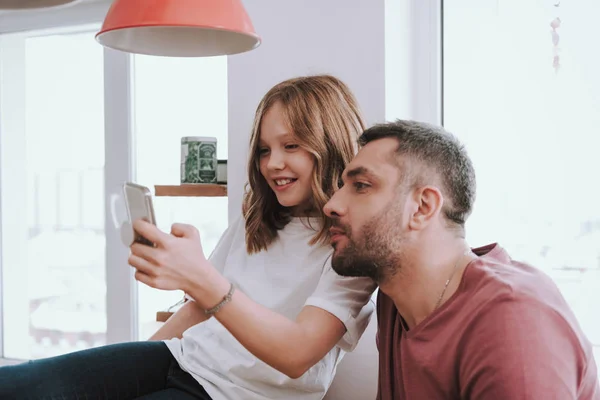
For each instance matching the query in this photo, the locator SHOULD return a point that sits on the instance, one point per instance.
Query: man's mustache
(335, 223)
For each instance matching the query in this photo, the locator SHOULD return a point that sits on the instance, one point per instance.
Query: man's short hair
(429, 149)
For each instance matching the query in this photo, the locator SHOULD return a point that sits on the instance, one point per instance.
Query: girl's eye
(291, 146)
(263, 151)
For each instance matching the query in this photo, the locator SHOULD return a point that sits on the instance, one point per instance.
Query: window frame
(572, 271)
(121, 287)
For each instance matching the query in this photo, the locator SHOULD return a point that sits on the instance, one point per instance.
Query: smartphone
(138, 200)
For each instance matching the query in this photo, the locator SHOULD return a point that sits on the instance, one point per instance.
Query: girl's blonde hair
(325, 119)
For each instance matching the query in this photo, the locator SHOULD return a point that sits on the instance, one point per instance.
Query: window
(176, 97)
(522, 90)
(52, 197)
(67, 105)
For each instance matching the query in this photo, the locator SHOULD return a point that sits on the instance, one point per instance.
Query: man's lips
(336, 233)
(334, 230)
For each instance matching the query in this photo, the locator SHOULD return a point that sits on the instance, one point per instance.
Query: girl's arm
(291, 347)
(177, 263)
(191, 314)
(187, 316)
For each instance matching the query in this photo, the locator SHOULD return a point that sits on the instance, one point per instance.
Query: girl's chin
(297, 210)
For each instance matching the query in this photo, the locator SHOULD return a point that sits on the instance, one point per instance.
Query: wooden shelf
(163, 316)
(191, 190)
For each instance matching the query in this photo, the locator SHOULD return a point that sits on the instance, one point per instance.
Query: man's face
(369, 226)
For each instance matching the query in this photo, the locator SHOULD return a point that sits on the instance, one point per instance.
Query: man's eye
(360, 186)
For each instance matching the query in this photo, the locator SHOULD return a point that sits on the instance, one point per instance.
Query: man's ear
(428, 205)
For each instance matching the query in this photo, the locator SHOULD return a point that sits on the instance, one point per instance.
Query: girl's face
(287, 167)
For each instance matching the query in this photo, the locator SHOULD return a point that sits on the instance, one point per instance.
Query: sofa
(356, 377)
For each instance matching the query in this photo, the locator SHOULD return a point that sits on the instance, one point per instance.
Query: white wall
(345, 38)
(79, 13)
(413, 60)
(340, 37)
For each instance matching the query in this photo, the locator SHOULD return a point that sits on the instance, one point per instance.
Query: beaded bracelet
(225, 300)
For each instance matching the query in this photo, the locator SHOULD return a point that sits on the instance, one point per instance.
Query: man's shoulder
(494, 275)
(497, 287)
(521, 328)
(503, 289)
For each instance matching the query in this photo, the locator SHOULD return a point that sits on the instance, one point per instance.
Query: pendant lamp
(178, 28)
(31, 4)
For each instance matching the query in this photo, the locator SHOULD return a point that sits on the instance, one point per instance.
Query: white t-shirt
(287, 277)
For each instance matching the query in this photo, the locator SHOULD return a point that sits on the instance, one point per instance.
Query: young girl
(269, 318)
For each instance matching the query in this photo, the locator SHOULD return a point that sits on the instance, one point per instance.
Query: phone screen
(139, 206)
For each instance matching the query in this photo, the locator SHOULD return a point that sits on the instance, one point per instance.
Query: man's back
(507, 333)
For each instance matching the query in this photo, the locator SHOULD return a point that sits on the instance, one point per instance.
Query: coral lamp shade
(178, 28)
(29, 4)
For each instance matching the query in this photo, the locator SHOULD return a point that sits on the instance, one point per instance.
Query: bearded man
(454, 322)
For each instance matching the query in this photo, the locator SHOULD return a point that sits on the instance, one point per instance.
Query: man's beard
(376, 253)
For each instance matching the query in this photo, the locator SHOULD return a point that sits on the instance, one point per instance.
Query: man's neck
(417, 287)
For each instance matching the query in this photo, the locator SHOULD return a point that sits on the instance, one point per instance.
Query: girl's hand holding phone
(176, 262)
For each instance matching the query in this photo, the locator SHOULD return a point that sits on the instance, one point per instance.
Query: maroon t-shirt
(507, 333)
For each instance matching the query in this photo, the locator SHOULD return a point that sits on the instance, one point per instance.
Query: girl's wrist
(208, 287)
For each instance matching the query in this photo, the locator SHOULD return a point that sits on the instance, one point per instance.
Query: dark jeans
(138, 370)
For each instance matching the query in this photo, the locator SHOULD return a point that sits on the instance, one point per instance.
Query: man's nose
(334, 207)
